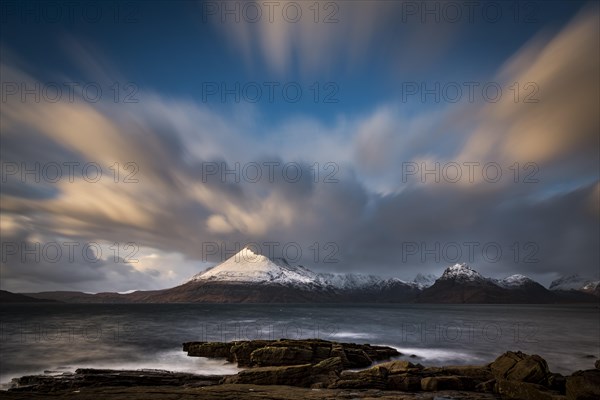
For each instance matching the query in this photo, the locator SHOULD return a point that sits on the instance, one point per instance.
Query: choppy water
(61, 337)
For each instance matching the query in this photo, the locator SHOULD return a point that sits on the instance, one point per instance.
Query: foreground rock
(521, 367)
(319, 369)
(88, 377)
(584, 385)
(307, 375)
(274, 353)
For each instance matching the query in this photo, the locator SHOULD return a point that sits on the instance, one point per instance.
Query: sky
(142, 142)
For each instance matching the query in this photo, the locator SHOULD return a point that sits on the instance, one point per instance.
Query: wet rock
(327, 371)
(391, 375)
(296, 375)
(282, 352)
(88, 377)
(518, 366)
(375, 378)
(304, 375)
(277, 356)
(357, 358)
(378, 353)
(208, 349)
(280, 367)
(241, 351)
(400, 366)
(584, 385)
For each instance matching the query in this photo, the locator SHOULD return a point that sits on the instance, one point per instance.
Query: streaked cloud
(325, 35)
(175, 208)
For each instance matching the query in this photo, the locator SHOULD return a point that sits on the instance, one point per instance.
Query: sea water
(55, 338)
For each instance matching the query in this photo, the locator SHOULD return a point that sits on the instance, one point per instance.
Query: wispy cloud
(323, 36)
(174, 207)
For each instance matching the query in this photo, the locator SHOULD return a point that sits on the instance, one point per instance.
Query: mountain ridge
(249, 277)
(246, 266)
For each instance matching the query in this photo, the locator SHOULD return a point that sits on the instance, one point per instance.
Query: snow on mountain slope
(573, 282)
(252, 268)
(514, 281)
(249, 267)
(461, 273)
(355, 281)
(424, 281)
(591, 286)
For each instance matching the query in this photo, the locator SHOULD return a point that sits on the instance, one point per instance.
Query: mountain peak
(461, 272)
(249, 255)
(248, 266)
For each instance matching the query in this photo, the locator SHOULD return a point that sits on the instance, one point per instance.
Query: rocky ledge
(283, 352)
(317, 369)
(98, 378)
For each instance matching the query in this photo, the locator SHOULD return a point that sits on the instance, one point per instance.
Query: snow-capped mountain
(461, 284)
(248, 277)
(255, 278)
(423, 281)
(573, 282)
(249, 267)
(461, 273)
(265, 280)
(514, 281)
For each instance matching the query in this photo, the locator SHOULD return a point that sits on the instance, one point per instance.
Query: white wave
(173, 360)
(439, 355)
(350, 335)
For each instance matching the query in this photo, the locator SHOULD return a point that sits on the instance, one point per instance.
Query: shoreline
(317, 369)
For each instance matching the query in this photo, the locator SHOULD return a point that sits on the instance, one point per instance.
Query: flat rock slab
(88, 377)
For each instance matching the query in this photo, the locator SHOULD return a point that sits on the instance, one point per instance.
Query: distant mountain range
(248, 277)
(8, 297)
